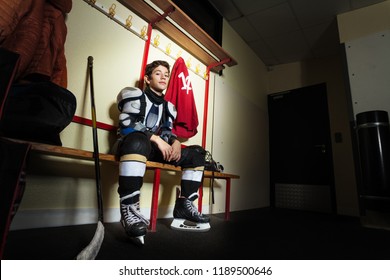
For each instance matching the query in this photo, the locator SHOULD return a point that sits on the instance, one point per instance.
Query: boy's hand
(164, 147)
(176, 151)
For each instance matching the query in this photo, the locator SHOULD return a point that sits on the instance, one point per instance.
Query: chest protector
(145, 111)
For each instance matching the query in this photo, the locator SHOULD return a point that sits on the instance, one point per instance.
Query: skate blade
(139, 240)
(185, 225)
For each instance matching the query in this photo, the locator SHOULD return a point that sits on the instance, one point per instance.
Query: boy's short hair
(151, 66)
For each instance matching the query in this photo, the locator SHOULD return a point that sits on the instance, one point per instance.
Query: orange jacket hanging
(36, 30)
(180, 93)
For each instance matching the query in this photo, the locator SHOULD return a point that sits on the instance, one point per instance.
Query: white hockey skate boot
(135, 225)
(187, 217)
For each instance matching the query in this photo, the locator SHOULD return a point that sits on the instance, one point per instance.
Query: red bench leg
(154, 210)
(227, 200)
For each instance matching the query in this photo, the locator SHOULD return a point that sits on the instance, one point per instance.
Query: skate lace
(132, 215)
(193, 210)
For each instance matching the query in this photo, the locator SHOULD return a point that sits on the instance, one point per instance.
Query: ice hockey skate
(135, 225)
(187, 217)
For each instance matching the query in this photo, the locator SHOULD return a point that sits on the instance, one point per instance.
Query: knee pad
(198, 154)
(192, 156)
(135, 143)
(198, 159)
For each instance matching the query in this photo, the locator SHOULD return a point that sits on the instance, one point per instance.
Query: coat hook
(128, 21)
(168, 49)
(156, 40)
(111, 10)
(197, 68)
(143, 32)
(188, 62)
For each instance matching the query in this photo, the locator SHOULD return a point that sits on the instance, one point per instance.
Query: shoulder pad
(128, 92)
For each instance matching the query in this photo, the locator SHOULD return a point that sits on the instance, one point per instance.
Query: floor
(264, 233)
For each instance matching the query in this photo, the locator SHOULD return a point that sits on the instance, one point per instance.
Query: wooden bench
(66, 152)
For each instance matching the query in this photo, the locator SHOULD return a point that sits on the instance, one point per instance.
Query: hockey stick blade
(90, 252)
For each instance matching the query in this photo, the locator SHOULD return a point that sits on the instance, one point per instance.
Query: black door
(301, 163)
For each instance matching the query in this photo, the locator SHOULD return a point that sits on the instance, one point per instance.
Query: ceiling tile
(357, 4)
(245, 29)
(227, 9)
(289, 44)
(312, 12)
(265, 53)
(274, 21)
(248, 7)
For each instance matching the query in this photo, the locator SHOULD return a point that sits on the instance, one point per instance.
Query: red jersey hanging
(179, 92)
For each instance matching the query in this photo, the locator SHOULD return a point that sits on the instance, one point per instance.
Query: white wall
(366, 37)
(368, 60)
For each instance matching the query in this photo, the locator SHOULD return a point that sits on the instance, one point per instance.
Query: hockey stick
(90, 252)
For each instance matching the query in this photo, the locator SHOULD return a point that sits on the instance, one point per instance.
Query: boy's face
(158, 80)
